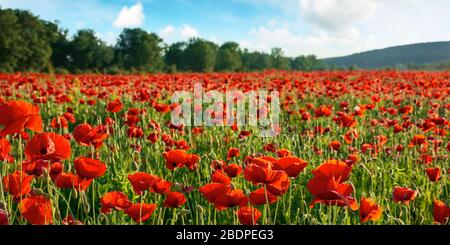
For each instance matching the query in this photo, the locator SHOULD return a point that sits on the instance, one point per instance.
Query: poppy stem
(267, 204)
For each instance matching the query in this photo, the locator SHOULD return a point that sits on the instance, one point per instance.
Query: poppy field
(351, 147)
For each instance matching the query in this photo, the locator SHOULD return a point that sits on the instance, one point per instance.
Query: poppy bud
(184, 212)
(200, 209)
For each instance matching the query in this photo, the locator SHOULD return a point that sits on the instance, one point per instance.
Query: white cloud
(172, 34)
(319, 42)
(167, 31)
(188, 31)
(130, 16)
(333, 15)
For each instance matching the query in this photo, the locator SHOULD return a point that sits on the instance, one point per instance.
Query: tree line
(28, 43)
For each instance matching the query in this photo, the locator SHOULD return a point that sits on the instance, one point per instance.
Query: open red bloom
(86, 135)
(335, 145)
(59, 122)
(114, 200)
(232, 152)
(18, 115)
(37, 210)
(213, 190)
(220, 177)
(280, 184)
(329, 191)
(418, 140)
(140, 212)
(369, 210)
(403, 194)
(232, 170)
(333, 168)
(5, 149)
(259, 171)
(174, 200)
(142, 181)
(89, 168)
(283, 153)
(248, 215)
(160, 186)
(440, 212)
(18, 183)
(434, 174)
(48, 146)
(229, 199)
(291, 165)
(114, 106)
(72, 181)
(179, 158)
(258, 197)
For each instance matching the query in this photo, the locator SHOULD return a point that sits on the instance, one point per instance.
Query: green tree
(140, 50)
(88, 52)
(173, 57)
(200, 55)
(229, 57)
(279, 62)
(24, 42)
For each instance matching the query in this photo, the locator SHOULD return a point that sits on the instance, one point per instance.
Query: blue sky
(322, 27)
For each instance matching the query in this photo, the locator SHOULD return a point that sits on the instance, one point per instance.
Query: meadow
(352, 147)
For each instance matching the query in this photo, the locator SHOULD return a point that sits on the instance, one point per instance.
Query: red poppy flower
(232, 152)
(258, 197)
(248, 215)
(114, 106)
(283, 153)
(212, 190)
(89, 168)
(3, 217)
(270, 147)
(280, 184)
(291, 165)
(333, 168)
(418, 140)
(140, 212)
(48, 146)
(18, 183)
(86, 135)
(369, 210)
(160, 186)
(259, 171)
(434, 174)
(72, 181)
(335, 145)
(163, 108)
(329, 191)
(114, 199)
(153, 137)
(229, 199)
(59, 122)
(232, 170)
(440, 212)
(37, 210)
(403, 194)
(141, 181)
(5, 149)
(174, 200)
(220, 177)
(17, 115)
(350, 135)
(179, 158)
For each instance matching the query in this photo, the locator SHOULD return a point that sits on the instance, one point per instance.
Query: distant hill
(412, 54)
